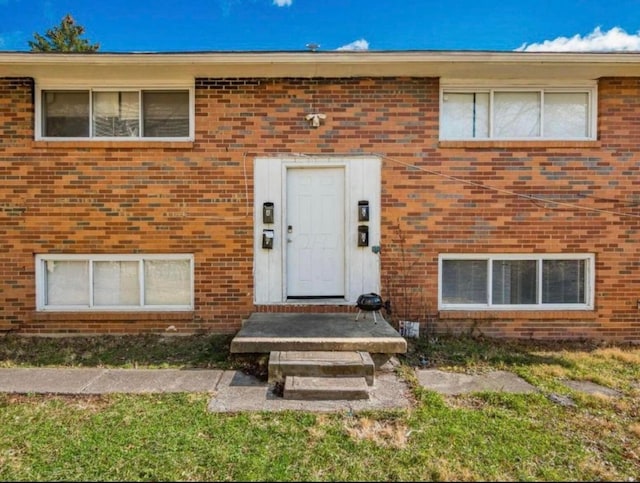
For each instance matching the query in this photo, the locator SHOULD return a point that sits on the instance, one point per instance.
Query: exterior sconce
(314, 119)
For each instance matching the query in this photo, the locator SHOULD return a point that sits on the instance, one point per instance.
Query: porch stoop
(322, 375)
(320, 355)
(264, 332)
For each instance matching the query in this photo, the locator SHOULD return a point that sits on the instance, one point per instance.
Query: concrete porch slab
(264, 332)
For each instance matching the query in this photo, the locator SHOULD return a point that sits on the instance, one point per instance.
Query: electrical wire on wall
(246, 184)
(537, 200)
(532, 198)
(247, 210)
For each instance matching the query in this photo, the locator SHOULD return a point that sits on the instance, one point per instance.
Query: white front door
(315, 232)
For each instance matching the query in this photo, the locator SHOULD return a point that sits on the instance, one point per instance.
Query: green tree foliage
(66, 37)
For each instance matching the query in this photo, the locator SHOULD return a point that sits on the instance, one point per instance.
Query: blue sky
(290, 25)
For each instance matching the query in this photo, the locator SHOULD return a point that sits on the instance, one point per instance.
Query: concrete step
(321, 364)
(325, 388)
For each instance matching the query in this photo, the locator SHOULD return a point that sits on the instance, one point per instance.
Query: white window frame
(41, 289)
(39, 111)
(589, 288)
(482, 87)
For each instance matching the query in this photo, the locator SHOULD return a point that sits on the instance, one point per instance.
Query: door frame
(362, 265)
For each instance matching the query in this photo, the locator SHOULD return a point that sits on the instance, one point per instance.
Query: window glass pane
(116, 114)
(165, 113)
(65, 113)
(464, 281)
(167, 282)
(116, 283)
(563, 281)
(516, 114)
(566, 115)
(67, 282)
(465, 115)
(514, 282)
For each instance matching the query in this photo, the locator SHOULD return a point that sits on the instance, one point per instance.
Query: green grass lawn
(474, 437)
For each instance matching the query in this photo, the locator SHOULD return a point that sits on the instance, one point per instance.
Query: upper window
(109, 114)
(550, 281)
(517, 114)
(114, 282)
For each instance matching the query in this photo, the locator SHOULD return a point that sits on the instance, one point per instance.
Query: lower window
(546, 281)
(114, 282)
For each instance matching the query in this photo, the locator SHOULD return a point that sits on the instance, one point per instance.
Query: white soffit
(176, 67)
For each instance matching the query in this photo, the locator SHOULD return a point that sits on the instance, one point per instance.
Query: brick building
(478, 191)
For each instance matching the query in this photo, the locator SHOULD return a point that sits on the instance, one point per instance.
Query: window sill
(518, 314)
(112, 315)
(138, 143)
(538, 143)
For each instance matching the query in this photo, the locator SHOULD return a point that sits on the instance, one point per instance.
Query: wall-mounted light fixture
(314, 119)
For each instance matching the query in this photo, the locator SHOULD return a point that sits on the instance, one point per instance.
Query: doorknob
(289, 229)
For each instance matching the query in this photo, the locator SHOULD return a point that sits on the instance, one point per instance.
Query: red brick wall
(148, 197)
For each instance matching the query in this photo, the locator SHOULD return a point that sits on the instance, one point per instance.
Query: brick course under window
(196, 197)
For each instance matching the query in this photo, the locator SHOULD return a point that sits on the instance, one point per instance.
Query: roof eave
(454, 64)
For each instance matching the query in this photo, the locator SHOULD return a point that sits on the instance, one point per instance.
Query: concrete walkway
(453, 383)
(233, 391)
(104, 381)
(230, 391)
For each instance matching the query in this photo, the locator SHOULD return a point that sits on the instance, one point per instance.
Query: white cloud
(283, 3)
(615, 39)
(360, 44)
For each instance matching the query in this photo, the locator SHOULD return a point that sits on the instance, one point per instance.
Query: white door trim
(362, 265)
